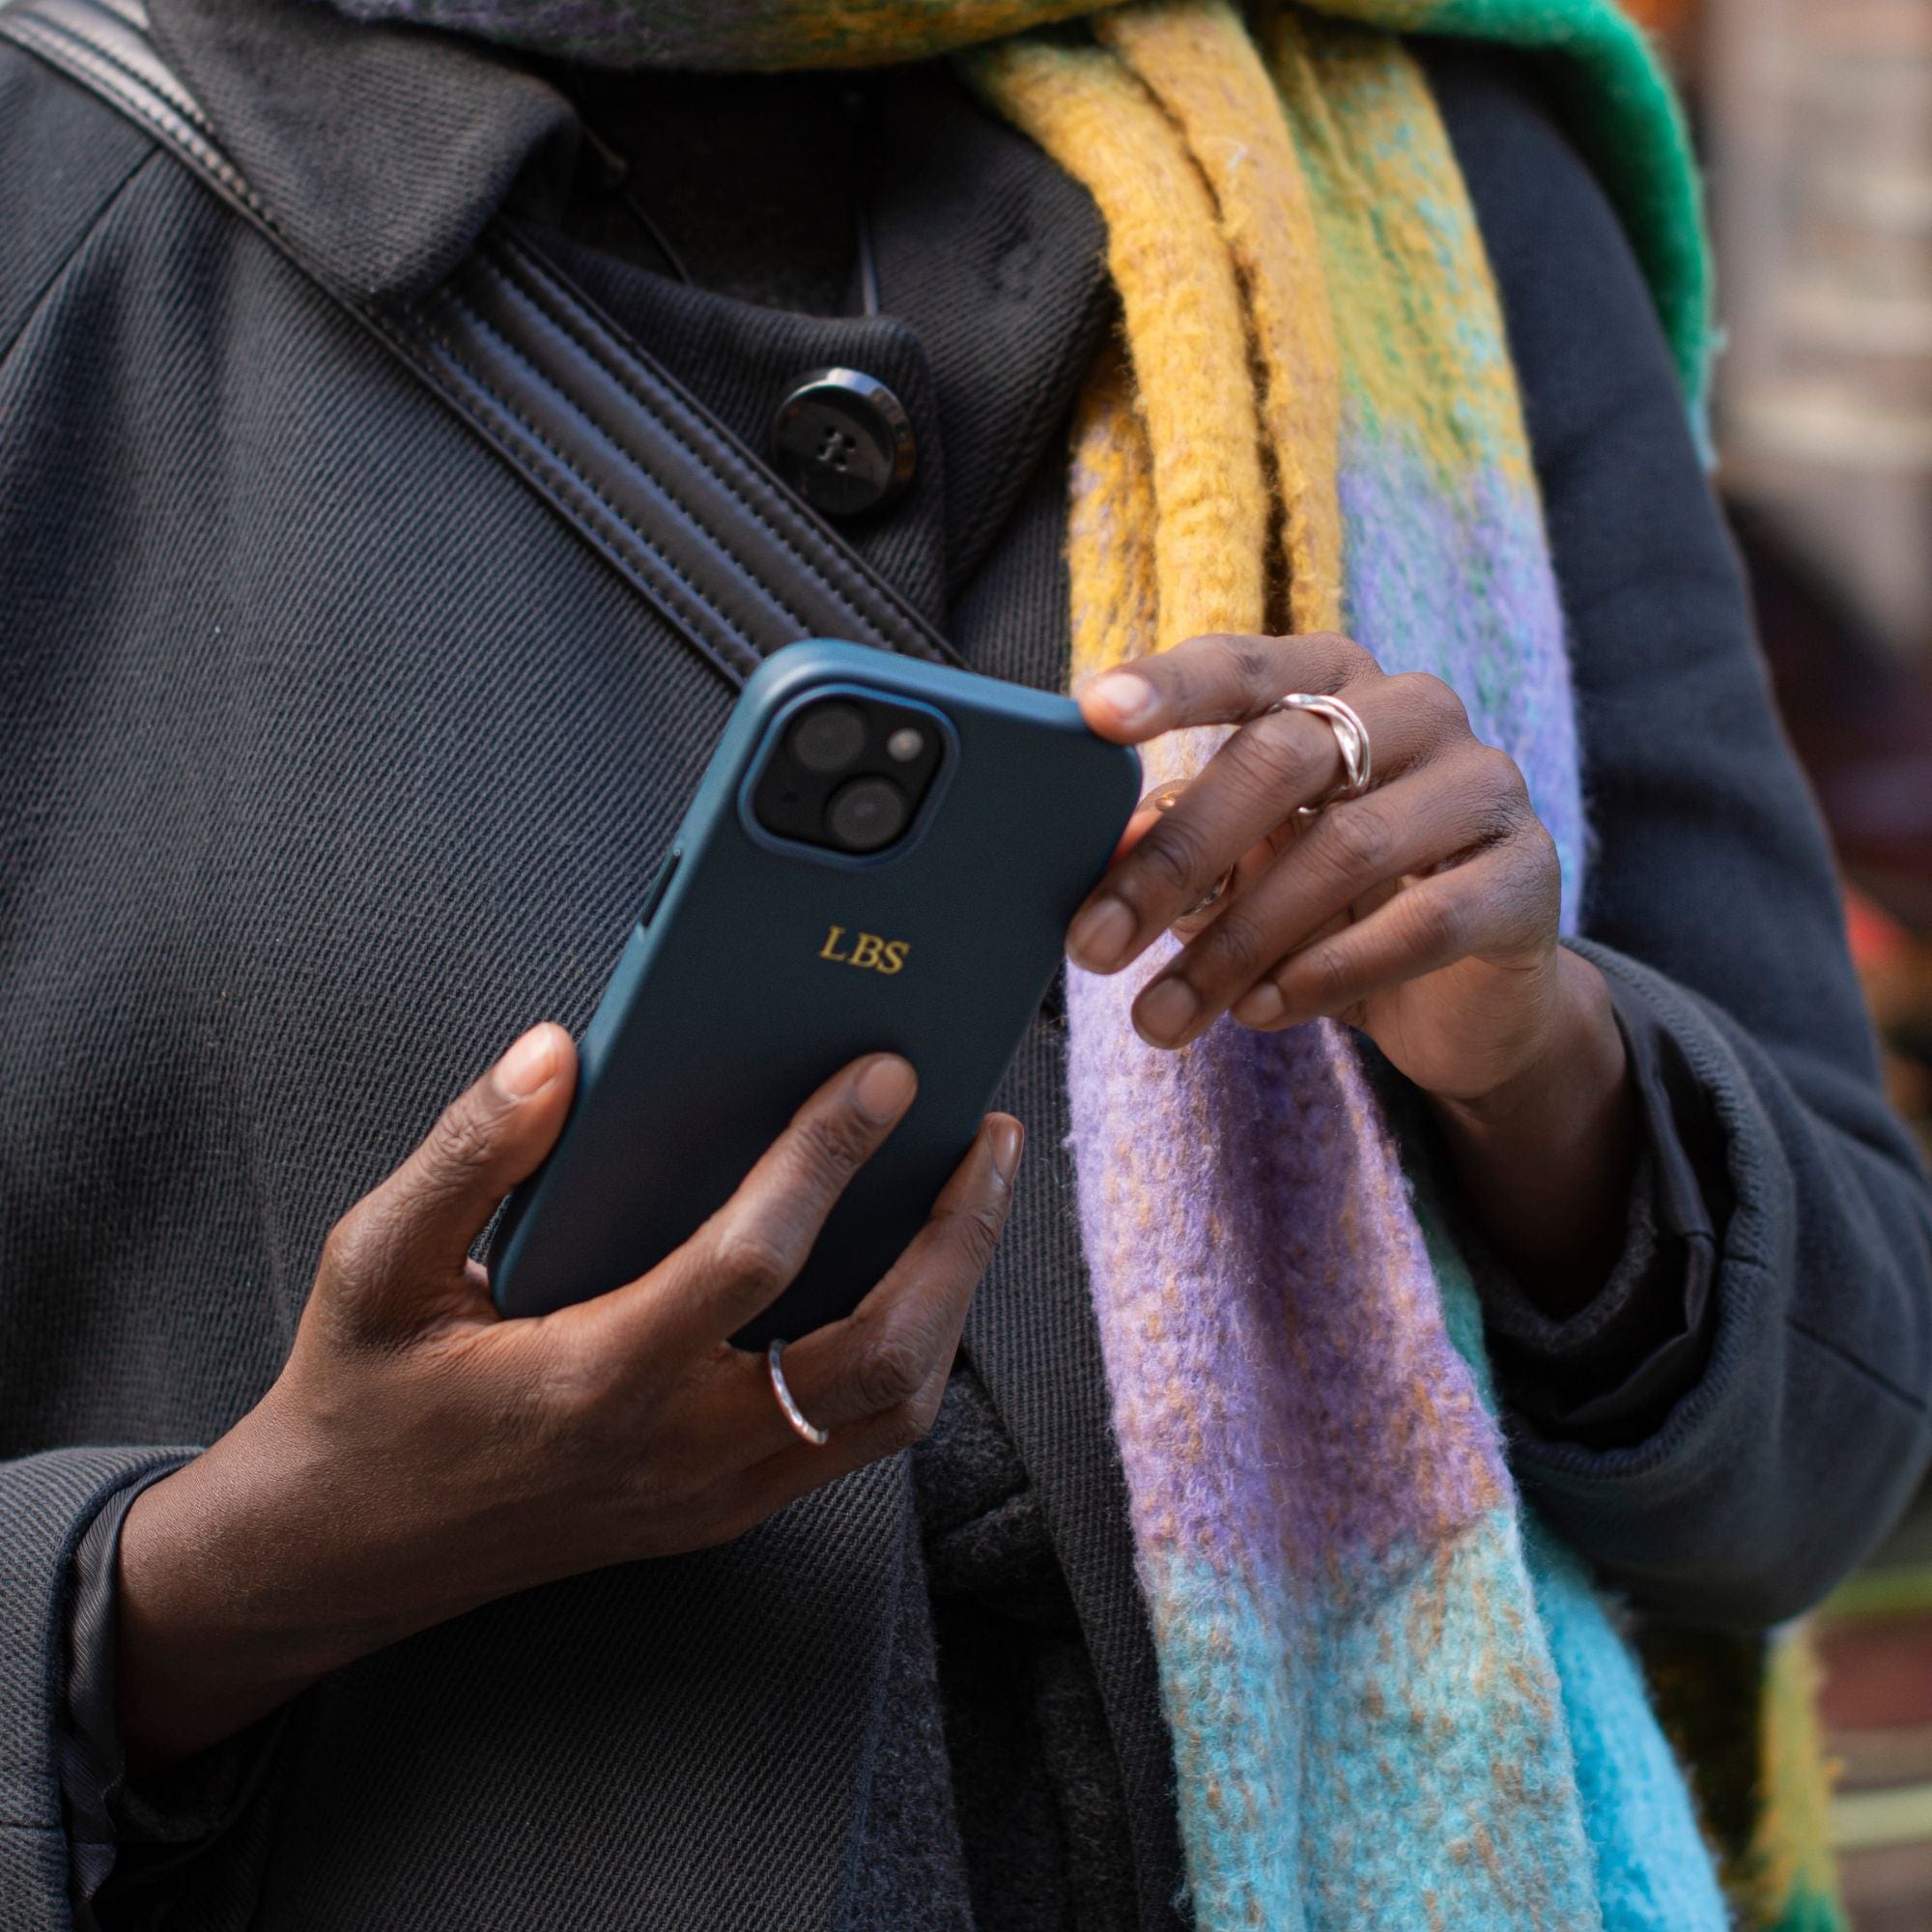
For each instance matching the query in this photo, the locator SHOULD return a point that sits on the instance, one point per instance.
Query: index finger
(1216, 680)
(749, 1252)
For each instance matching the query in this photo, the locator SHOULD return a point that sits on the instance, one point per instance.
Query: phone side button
(660, 886)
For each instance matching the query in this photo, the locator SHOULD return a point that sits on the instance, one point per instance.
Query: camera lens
(866, 814)
(829, 737)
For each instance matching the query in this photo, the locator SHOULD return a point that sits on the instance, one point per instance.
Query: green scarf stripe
(1628, 121)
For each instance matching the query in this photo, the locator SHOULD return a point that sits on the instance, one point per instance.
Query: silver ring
(1352, 741)
(793, 1414)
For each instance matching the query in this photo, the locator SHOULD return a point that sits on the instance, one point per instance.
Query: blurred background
(1815, 120)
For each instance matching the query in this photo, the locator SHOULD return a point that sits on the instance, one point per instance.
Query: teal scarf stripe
(1570, 1819)
(1626, 119)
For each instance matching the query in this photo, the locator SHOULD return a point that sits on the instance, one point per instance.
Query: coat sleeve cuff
(1612, 1372)
(1726, 1513)
(47, 1502)
(144, 1828)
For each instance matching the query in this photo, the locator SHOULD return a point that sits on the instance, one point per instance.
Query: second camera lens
(866, 814)
(829, 737)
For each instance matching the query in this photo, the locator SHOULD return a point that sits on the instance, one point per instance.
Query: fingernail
(1009, 1137)
(1261, 1005)
(884, 1091)
(1164, 1011)
(1101, 936)
(529, 1065)
(1129, 697)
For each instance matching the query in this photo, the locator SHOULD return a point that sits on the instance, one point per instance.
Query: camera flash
(904, 745)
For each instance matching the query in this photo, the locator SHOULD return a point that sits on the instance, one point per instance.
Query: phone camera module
(866, 813)
(828, 738)
(849, 772)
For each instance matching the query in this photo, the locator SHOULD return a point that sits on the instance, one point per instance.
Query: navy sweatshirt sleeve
(1714, 911)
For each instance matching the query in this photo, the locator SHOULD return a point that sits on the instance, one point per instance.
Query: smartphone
(883, 856)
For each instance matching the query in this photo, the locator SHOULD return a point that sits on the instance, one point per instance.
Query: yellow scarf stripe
(1116, 607)
(1789, 1873)
(1185, 325)
(1201, 66)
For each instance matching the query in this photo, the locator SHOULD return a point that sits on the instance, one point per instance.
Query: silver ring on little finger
(793, 1414)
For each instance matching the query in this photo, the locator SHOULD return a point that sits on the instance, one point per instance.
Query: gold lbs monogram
(864, 948)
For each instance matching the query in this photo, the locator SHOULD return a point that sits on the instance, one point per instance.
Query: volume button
(660, 886)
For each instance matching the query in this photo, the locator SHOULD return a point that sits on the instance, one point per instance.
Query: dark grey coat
(329, 759)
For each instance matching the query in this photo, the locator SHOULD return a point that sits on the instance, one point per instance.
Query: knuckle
(1433, 699)
(1499, 774)
(458, 1144)
(752, 1259)
(1495, 788)
(890, 1370)
(1546, 859)
(346, 1305)
(1236, 942)
(1179, 675)
(1348, 660)
(1329, 976)
(1253, 667)
(1540, 878)
(832, 1146)
(977, 1226)
(1173, 860)
(572, 1392)
(1358, 839)
(351, 1250)
(1437, 923)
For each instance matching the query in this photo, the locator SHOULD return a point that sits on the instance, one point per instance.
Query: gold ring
(793, 1414)
(1164, 798)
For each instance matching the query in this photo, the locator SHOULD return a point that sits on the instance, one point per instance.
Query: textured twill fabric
(1036, 1787)
(289, 739)
(49, 1500)
(281, 653)
(101, 157)
(467, 126)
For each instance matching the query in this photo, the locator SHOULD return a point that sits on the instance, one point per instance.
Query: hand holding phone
(419, 1455)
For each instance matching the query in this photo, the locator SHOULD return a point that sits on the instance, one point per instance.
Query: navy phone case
(735, 998)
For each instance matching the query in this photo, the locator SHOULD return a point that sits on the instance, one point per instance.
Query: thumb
(400, 1253)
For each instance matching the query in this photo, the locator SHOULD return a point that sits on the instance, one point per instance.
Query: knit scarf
(1395, 1700)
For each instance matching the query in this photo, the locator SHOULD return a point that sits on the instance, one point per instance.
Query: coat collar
(444, 132)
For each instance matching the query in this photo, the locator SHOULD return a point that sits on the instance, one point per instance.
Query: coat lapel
(1033, 1340)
